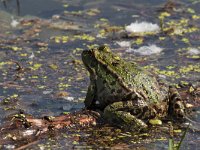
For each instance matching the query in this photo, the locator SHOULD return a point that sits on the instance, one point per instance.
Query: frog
(126, 94)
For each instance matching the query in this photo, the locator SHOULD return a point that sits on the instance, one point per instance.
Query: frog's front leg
(117, 113)
(89, 100)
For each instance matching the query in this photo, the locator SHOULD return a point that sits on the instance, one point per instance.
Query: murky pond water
(41, 42)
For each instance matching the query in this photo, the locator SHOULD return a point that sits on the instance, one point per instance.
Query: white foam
(14, 22)
(146, 50)
(124, 43)
(194, 51)
(142, 27)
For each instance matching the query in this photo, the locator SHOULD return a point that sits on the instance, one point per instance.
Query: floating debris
(47, 91)
(29, 132)
(9, 146)
(62, 94)
(31, 56)
(155, 122)
(69, 98)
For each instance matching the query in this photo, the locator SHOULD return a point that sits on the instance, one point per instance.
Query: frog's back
(144, 82)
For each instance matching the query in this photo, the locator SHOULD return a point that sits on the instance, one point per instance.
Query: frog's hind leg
(176, 107)
(117, 113)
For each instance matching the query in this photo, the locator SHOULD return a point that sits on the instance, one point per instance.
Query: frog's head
(102, 55)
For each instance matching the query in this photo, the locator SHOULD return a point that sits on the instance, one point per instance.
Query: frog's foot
(117, 114)
(176, 106)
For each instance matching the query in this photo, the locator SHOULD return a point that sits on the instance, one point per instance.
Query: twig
(27, 145)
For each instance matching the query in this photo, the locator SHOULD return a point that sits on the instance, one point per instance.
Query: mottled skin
(125, 93)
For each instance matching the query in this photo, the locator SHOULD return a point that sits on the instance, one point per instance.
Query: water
(42, 35)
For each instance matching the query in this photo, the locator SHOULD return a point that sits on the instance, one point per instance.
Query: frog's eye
(104, 48)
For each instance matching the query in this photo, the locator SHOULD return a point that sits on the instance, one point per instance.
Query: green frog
(126, 94)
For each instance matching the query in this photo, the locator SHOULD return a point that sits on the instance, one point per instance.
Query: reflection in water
(8, 1)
